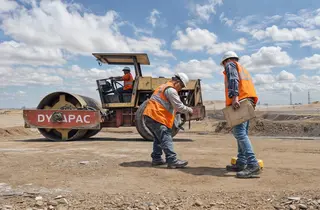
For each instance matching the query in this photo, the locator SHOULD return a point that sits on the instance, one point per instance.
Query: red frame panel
(72, 119)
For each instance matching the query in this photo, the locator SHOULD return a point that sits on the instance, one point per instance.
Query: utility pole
(309, 98)
(290, 98)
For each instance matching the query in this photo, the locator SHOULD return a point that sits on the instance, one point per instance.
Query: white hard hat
(229, 54)
(126, 68)
(183, 77)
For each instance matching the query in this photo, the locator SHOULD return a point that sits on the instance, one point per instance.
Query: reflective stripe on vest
(165, 104)
(128, 83)
(246, 87)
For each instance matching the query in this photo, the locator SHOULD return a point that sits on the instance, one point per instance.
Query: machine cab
(110, 97)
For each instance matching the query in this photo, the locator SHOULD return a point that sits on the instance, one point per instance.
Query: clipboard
(238, 116)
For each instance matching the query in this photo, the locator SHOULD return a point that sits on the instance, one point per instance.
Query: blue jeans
(246, 155)
(162, 141)
(121, 91)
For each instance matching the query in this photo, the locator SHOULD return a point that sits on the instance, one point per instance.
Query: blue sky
(46, 45)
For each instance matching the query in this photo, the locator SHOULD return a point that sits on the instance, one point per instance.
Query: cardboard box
(238, 116)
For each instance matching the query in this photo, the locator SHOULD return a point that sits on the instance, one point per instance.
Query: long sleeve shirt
(233, 82)
(233, 79)
(173, 96)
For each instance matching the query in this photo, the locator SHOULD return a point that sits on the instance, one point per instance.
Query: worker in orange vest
(239, 87)
(127, 82)
(159, 117)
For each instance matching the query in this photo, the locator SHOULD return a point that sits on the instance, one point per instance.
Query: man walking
(239, 87)
(159, 118)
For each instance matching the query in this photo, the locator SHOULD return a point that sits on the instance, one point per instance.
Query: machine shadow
(196, 171)
(107, 139)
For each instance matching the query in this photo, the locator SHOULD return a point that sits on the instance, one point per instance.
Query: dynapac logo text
(66, 118)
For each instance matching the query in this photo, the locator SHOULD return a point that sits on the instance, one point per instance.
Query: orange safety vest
(159, 108)
(246, 87)
(127, 81)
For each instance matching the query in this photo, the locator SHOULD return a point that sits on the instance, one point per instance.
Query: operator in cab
(127, 82)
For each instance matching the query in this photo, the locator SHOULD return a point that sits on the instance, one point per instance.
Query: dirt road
(112, 171)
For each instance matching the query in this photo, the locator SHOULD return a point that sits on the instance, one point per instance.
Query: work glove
(190, 111)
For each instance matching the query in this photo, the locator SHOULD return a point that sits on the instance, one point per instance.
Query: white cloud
(163, 71)
(198, 68)
(285, 88)
(67, 30)
(192, 23)
(253, 22)
(269, 79)
(213, 91)
(304, 18)
(75, 76)
(22, 76)
(283, 44)
(314, 43)
(17, 95)
(260, 79)
(213, 87)
(194, 68)
(291, 25)
(303, 27)
(154, 15)
(312, 81)
(18, 53)
(285, 76)
(226, 20)
(277, 89)
(138, 30)
(284, 83)
(158, 69)
(242, 41)
(76, 72)
(7, 5)
(285, 34)
(266, 59)
(310, 63)
(204, 11)
(245, 24)
(274, 18)
(66, 26)
(223, 47)
(149, 44)
(305, 78)
(202, 39)
(194, 39)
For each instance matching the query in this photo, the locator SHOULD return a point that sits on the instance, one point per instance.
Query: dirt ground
(112, 171)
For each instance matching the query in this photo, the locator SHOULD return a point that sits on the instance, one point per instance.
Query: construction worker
(127, 82)
(239, 87)
(159, 117)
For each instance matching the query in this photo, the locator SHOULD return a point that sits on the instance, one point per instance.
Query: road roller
(63, 116)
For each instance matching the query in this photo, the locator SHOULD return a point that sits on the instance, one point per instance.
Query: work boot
(178, 164)
(235, 168)
(158, 163)
(251, 171)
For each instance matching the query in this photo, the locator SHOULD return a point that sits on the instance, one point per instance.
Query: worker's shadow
(197, 171)
(106, 139)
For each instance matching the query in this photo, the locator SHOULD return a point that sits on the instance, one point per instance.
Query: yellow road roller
(62, 116)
